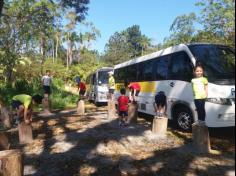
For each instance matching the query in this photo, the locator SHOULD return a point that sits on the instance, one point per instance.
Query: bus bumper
(220, 115)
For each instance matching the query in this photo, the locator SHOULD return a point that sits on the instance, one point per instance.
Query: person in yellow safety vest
(111, 85)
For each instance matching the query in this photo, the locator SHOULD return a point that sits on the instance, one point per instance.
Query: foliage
(217, 19)
(127, 44)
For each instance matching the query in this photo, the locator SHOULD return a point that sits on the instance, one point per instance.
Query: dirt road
(68, 145)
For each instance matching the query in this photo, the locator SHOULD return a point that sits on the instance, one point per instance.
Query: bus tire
(183, 118)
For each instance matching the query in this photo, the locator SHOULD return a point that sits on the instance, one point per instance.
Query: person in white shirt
(46, 82)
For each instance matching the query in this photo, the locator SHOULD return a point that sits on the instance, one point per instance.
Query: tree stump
(111, 109)
(81, 108)
(201, 138)
(11, 163)
(46, 106)
(5, 117)
(4, 142)
(25, 133)
(132, 113)
(160, 125)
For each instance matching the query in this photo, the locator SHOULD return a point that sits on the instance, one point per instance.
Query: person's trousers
(200, 105)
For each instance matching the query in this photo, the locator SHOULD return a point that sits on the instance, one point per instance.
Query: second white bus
(97, 85)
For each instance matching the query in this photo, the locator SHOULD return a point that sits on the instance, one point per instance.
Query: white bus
(171, 70)
(97, 85)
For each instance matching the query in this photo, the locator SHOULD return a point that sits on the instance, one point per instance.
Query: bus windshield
(103, 77)
(218, 62)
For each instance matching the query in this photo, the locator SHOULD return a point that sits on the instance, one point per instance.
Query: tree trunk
(133, 113)
(46, 106)
(25, 133)
(57, 45)
(42, 51)
(201, 138)
(4, 142)
(160, 125)
(111, 109)
(53, 51)
(5, 117)
(11, 163)
(81, 108)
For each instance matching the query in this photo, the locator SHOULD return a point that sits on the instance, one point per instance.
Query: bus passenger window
(146, 71)
(181, 67)
(161, 68)
(132, 73)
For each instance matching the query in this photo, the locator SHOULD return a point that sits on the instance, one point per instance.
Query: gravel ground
(69, 145)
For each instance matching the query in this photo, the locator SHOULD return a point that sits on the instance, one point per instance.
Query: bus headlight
(221, 101)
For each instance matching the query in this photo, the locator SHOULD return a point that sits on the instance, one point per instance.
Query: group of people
(199, 86)
(23, 103)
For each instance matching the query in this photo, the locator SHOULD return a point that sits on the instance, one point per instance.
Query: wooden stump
(112, 109)
(25, 133)
(81, 108)
(46, 106)
(160, 125)
(201, 138)
(5, 117)
(11, 163)
(132, 113)
(4, 142)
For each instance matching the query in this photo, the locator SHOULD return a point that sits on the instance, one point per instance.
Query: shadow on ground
(68, 145)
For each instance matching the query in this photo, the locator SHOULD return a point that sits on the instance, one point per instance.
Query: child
(81, 89)
(135, 89)
(200, 90)
(123, 102)
(23, 104)
(160, 104)
(46, 82)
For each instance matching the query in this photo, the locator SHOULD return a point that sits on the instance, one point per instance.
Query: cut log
(25, 133)
(112, 109)
(46, 106)
(5, 117)
(132, 113)
(81, 108)
(160, 125)
(201, 138)
(4, 142)
(11, 163)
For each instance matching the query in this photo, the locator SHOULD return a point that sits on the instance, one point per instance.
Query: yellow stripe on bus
(146, 87)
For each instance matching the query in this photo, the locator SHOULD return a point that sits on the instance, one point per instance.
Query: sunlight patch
(61, 147)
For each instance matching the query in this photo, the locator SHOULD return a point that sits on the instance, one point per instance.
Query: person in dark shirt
(160, 104)
(123, 104)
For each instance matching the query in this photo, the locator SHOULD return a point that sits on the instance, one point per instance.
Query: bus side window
(131, 74)
(181, 67)
(121, 75)
(145, 71)
(161, 68)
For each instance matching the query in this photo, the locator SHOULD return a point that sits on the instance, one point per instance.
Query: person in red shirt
(81, 88)
(135, 89)
(123, 105)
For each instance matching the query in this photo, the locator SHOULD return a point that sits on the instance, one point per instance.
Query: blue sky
(153, 16)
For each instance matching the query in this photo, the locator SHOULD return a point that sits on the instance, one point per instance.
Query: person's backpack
(160, 99)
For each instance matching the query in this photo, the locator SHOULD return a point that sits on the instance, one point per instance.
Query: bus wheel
(183, 119)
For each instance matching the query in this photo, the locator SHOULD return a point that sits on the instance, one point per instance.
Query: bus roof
(105, 69)
(163, 52)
